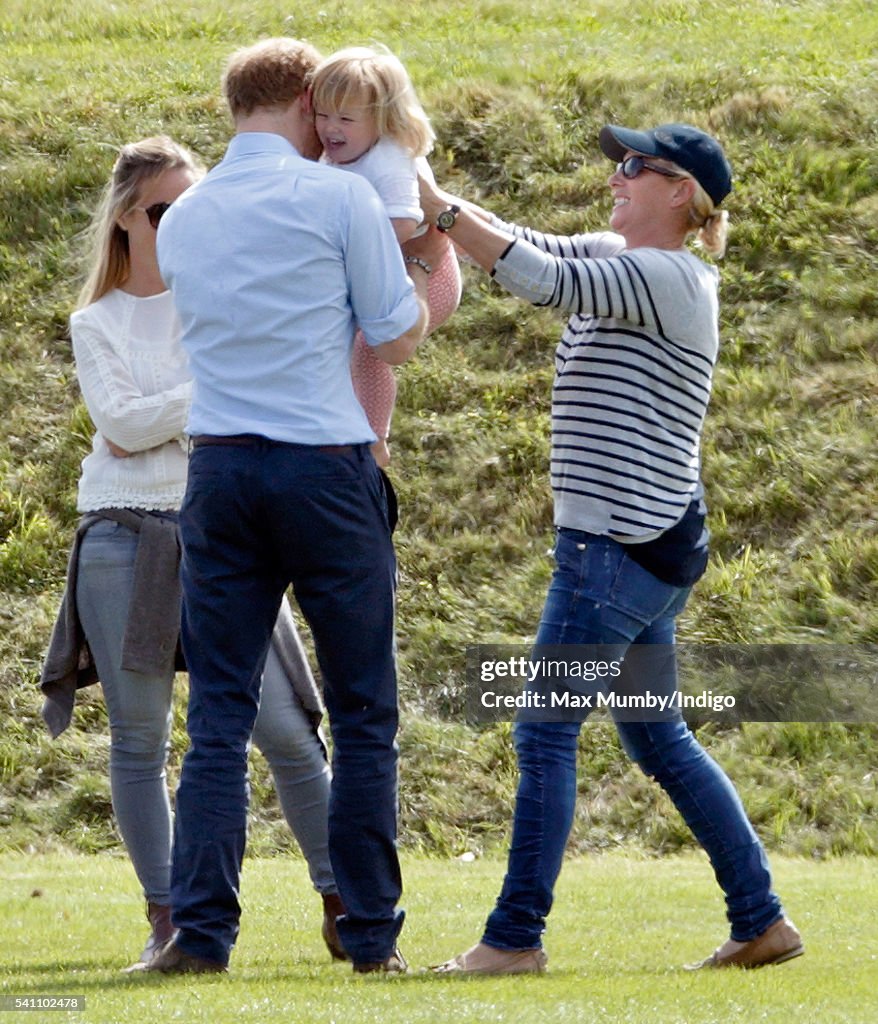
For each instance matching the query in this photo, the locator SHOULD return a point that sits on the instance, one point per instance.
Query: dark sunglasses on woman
(155, 213)
(631, 166)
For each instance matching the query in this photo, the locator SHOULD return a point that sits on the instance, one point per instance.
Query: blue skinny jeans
(599, 596)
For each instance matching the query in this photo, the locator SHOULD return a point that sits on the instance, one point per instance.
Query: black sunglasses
(631, 166)
(155, 213)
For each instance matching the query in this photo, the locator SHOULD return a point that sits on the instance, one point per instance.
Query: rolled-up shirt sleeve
(382, 296)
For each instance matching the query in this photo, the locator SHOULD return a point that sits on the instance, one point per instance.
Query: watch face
(446, 219)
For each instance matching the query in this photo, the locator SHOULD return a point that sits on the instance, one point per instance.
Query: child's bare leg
(443, 289)
(375, 388)
(375, 381)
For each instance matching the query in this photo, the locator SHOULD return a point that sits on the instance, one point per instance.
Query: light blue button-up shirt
(273, 260)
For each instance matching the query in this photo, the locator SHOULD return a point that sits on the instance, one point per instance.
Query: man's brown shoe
(777, 944)
(484, 959)
(394, 964)
(170, 959)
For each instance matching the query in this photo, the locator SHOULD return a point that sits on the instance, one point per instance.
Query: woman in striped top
(632, 384)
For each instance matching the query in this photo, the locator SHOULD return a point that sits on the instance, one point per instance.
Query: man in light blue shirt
(273, 260)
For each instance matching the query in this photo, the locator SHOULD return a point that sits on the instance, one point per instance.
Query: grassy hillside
(517, 92)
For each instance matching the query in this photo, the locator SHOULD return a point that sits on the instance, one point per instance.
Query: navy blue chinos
(258, 516)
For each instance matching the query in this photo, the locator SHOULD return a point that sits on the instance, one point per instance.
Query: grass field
(621, 930)
(517, 91)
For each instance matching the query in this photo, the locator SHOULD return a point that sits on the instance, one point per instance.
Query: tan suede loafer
(777, 944)
(484, 959)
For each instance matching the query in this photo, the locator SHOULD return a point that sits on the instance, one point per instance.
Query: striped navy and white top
(633, 375)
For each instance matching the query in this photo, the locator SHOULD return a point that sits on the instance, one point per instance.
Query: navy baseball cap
(690, 148)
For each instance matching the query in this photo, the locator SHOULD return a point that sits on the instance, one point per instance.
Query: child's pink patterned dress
(374, 380)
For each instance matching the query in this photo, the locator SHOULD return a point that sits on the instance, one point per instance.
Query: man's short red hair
(270, 73)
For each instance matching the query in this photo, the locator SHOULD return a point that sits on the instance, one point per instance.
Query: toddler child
(370, 121)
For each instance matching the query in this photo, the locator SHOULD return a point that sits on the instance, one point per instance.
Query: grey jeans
(139, 710)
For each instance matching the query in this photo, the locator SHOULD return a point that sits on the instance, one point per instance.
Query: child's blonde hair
(378, 80)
